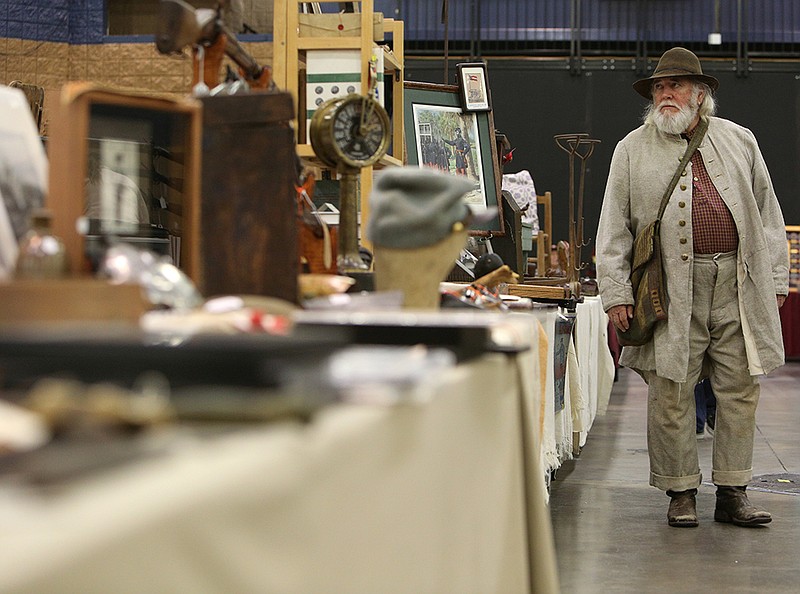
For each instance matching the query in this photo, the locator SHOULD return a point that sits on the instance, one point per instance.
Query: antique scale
(347, 134)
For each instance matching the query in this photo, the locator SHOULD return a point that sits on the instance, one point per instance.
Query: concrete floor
(610, 526)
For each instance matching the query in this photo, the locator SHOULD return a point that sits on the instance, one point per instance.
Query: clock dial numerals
(358, 131)
(352, 131)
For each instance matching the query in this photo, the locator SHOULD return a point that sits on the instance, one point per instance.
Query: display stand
(292, 39)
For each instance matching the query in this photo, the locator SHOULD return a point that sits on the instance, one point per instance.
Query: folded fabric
(520, 186)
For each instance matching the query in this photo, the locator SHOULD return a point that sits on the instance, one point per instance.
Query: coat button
(682, 204)
(683, 186)
(682, 223)
(683, 240)
(684, 173)
(685, 257)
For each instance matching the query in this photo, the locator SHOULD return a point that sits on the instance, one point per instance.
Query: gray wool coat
(641, 168)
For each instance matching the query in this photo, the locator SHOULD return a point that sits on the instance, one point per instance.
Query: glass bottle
(41, 254)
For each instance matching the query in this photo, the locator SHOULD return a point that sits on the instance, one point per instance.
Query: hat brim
(643, 86)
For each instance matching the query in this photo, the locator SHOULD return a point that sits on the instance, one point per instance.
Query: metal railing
(750, 33)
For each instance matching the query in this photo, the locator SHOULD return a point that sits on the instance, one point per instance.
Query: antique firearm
(182, 25)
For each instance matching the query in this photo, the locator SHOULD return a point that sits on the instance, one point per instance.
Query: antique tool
(181, 25)
(349, 133)
(582, 147)
(504, 274)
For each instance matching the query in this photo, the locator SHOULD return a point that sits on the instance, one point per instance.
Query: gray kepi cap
(412, 207)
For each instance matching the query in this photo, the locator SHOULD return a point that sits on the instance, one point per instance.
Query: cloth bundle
(520, 186)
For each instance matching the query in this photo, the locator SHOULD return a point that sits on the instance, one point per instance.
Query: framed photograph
(472, 82)
(441, 135)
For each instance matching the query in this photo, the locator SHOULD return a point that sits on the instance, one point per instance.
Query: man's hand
(781, 300)
(619, 316)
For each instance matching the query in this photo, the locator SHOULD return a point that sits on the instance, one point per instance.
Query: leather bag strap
(697, 138)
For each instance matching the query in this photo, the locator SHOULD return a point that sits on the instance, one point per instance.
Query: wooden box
(143, 152)
(217, 177)
(248, 233)
(26, 303)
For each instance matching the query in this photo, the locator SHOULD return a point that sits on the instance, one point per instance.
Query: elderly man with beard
(725, 258)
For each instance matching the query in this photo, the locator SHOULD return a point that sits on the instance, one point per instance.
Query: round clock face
(351, 131)
(358, 130)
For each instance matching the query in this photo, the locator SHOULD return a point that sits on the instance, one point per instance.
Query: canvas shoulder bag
(647, 272)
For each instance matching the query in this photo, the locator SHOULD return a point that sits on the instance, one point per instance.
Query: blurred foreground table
(441, 492)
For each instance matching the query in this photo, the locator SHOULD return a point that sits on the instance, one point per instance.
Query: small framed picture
(474, 87)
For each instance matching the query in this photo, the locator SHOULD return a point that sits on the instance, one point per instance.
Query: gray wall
(532, 104)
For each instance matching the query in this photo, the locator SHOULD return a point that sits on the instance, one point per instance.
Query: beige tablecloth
(443, 494)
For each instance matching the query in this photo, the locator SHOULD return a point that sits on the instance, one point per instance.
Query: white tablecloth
(595, 362)
(587, 387)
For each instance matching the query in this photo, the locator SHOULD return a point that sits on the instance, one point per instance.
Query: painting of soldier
(447, 140)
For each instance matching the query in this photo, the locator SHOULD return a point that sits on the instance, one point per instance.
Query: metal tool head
(569, 142)
(579, 145)
(181, 25)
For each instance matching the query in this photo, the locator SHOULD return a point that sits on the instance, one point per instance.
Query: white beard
(675, 123)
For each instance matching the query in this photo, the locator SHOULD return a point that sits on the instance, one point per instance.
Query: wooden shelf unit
(289, 61)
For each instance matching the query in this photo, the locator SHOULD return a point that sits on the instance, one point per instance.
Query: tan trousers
(715, 338)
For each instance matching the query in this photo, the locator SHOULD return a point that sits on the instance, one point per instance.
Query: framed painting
(441, 135)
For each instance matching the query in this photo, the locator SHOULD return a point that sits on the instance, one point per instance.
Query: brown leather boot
(734, 507)
(682, 510)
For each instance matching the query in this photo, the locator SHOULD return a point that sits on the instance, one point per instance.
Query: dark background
(531, 104)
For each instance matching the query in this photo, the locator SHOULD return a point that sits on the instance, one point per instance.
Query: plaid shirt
(713, 227)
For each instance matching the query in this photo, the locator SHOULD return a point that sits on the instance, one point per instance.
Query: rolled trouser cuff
(731, 478)
(675, 483)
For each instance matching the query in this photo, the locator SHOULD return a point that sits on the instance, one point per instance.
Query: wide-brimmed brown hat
(677, 61)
